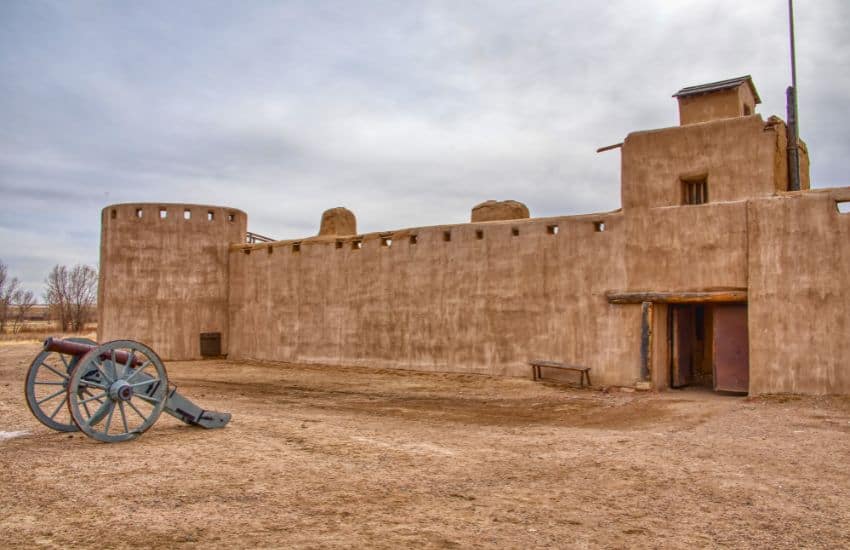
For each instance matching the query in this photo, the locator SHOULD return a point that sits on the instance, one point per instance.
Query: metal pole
(793, 119)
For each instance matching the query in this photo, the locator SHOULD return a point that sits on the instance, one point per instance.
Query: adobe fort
(711, 273)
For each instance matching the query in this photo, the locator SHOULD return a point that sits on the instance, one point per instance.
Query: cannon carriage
(110, 392)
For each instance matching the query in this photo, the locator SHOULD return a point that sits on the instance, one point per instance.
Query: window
(515, 231)
(187, 214)
(843, 207)
(552, 229)
(695, 190)
(747, 110)
(338, 245)
(114, 214)
(479, 234)
(296, 248)
(447, 236)
(356, 244)
(163, 213)
(387, 241)
(599, 227)
(231, 217)
(210, 215)
(139, 212)
(413, 239)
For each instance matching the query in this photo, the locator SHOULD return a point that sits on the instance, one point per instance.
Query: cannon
(110, 392)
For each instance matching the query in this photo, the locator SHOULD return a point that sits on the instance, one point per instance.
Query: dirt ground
(322, 457)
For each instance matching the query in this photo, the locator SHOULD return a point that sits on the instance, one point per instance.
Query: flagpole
(793, 119)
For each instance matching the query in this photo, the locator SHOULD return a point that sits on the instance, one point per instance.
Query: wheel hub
(121, 390)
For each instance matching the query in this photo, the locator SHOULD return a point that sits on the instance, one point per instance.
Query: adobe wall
(799, 295)
(687, 248)
(482, 305)
(164, 281)
(716, 105)
(741, 157)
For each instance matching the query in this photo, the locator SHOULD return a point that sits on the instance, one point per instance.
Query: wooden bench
(537, 375)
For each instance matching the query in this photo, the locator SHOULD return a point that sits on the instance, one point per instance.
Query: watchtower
(717, 100)
(164, 274)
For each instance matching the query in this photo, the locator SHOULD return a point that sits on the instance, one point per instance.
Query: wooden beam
(609, 147)
(697, 297)
(646, 341)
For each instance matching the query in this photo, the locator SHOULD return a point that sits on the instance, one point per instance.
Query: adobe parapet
(163, 274)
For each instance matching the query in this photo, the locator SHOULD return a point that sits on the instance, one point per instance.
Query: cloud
(407, 113)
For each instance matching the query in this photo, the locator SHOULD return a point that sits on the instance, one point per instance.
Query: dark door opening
(709, 346)
(688, 353)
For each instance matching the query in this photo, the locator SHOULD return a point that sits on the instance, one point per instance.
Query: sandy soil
(329, 457)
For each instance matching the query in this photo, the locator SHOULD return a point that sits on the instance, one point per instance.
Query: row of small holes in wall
(843, 207)
(163, 213)
(296, 248)
(387, 241)
(479, 235)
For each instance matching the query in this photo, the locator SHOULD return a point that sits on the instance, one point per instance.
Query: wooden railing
(252, 238)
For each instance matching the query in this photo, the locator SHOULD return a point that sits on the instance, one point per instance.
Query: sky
(407, 113)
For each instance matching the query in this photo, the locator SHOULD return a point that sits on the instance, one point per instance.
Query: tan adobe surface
(490, 211)
(163, 280)
(487, 298)
(337, 221)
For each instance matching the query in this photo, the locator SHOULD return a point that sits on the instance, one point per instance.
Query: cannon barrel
(78, 349)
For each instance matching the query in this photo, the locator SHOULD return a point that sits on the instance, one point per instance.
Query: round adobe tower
(164, 275)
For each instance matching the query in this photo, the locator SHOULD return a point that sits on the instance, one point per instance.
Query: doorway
(709, 346)
(688, 353)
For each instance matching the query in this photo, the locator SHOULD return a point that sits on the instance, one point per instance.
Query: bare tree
(22, 302)
(56, 296)
(71, 295)
(8, 287)
(82, 295)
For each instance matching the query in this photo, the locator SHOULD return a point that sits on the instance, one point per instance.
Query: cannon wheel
(127, 399)
(47, 380)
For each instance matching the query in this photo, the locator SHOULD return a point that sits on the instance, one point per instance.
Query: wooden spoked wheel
(115, 400)
(46, 385)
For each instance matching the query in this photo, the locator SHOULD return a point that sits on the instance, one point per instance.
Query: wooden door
(731, 367)
(684, 336)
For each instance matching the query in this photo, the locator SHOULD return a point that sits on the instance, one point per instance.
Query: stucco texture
(716, 105)
(482, 305)
(491, 210)
(163, 281)
(488, 297)
(738, 157)
(686, 248)
(799, 293)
